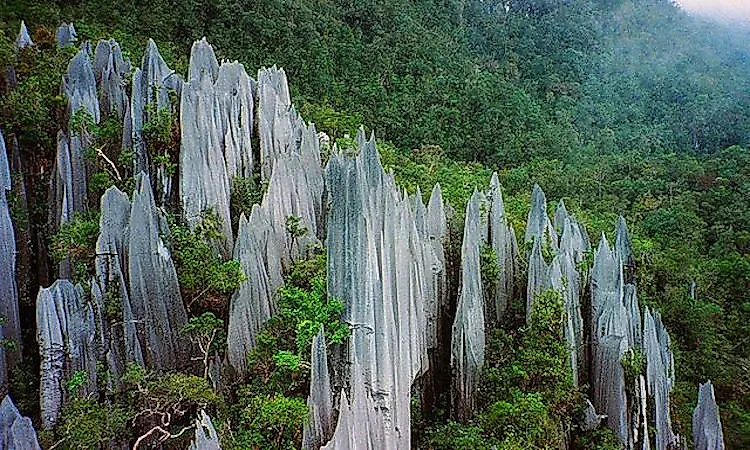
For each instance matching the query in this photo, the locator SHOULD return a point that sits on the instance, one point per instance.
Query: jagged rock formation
(255, 300)
(618, 328)
(435, 232)
(467, 347)
(502, 238)
(377, 266)
(277, 119)
(152, 84)
(65, 34)
(23, 40)
(135, 287)
(206, 437)
(16, 432)
(538, 279)
(109, 69)
(10, 327)
(319, 427)
(66, 332)
(538, 225)
(216, 118)
(707, 433)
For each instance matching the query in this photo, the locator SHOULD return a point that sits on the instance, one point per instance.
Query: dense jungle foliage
(625, 107)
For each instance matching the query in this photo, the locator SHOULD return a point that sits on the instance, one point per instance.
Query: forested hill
(628, 107)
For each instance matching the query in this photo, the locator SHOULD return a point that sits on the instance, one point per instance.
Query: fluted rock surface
(206, 437)
(659, 375)
(503, 241)
(216, 117)
(154, 291)
(319, 426)
(707, 433)
(152, 83)
(66, 332)
(436, 231)
(109, 69)
(609, 384)
(23, 40)
(467, 346)
(65, 34)
(538, 225)
(278, 121)
(376, 265)
(16, 432)
(255, 301)
(10, 327)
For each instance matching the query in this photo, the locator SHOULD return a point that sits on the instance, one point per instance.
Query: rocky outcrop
(319, 426)
(135, 287)
(502, 238)
(216, 118)
(16, 432)
(65, 34)
(707, 433)
(467, 347)
(376, 265)
(66, 332)
(538, 276)
(255, 300)
(109, 69)
(659, 376)
(206, 437)
(278, 122)
(23, 40)
(10, 326)
(538, 225)
(436, 233)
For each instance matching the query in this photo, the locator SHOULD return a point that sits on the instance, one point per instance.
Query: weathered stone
(436, 230)
(609, 384)
(255, 301)
(109, 69)
(319, 426)
(278, 122)
(65, 34)
(659, 376)
(538, 224)
(503, 241)
(16, 432)
(376, 266)
(158, 311)
(707, 433)
(66, 332)
(10, 327)
(206, 437)
(467, 347)
(538, 279)
(79, 86)
(23, 40)
(591, 419)
(152, 84)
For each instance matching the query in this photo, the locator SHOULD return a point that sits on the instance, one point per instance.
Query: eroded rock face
(376, 265)
(503, 241)
(206, 437)
(216, 118)
(11, 327)
(467, 347)
(65, 34)
(659, 375)
(66, 332)
(436, 231)
(278, 121)
(255, 300)
(538, 225)
(538, 279)
(155, 299)
(707, 433)
(320, 426)
(109, 70)
(23, 40)
(16, 432)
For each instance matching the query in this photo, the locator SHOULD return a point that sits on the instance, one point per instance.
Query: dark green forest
(628, 107)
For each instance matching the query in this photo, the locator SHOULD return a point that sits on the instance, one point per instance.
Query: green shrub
(76, 240)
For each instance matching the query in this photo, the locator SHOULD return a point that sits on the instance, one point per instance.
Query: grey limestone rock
(206, 437)
(320, 426)
(591, 419)
(659, 376)
(376, 265)
(155, 299)
(109, 70)
(23, 40)
(66, 332)
(79, 86)
(16, 432)
(707, 433)
(10, 328)
(65, 34)
(467, 346)
(152, 83)
(216, 117)
(503, 241)
(255, 301)
(538, 279)
(538, 224)
(609, 384)
(436, 230)
(278, 123)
